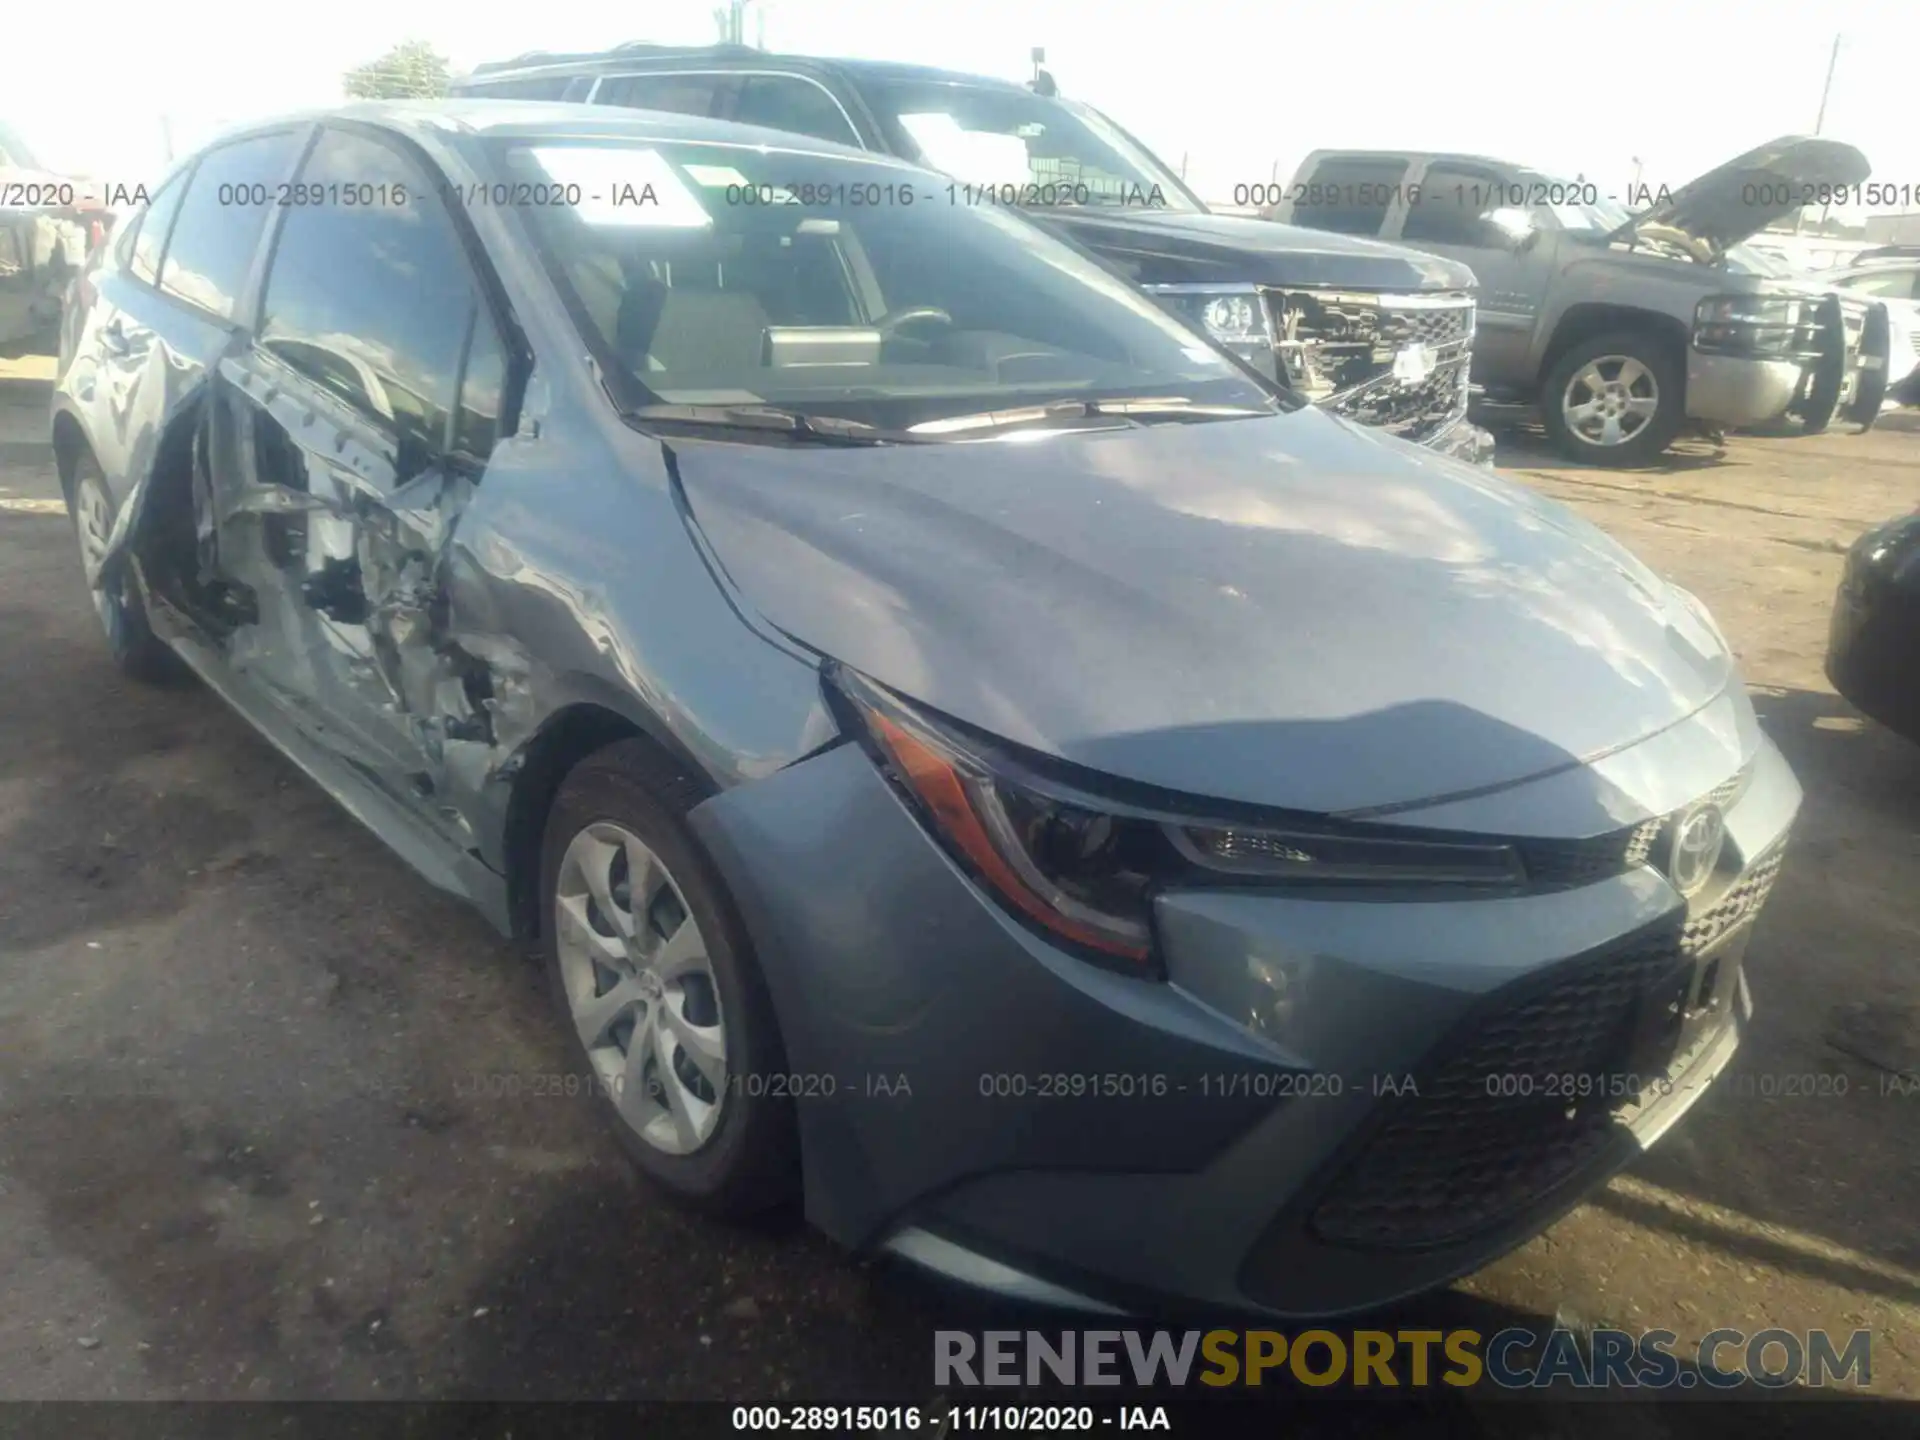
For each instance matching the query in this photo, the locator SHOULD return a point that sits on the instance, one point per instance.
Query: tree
(410, 71)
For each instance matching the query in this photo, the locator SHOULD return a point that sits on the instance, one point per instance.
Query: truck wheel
(1615, 400)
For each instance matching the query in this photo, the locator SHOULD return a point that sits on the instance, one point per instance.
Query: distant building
(1894, 229)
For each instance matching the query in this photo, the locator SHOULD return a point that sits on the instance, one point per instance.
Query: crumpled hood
(1751, 191)
(1287, 612)
(1177, 247)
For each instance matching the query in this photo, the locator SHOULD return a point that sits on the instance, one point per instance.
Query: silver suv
(1621, 327)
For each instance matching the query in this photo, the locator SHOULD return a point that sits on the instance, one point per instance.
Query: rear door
(1466, 211)
(354, 427)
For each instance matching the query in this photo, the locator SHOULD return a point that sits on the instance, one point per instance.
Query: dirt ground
(243, 1153)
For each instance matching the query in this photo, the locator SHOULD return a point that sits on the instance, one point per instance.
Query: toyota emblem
(1697, 837)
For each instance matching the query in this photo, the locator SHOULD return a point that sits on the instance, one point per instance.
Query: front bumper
(1842, 374)
(1464, 440)
(991, 1107)
(1734, 391)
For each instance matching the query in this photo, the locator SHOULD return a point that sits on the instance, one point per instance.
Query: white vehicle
(1895, 279)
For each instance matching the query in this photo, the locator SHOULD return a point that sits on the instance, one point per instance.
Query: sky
(1239, 89)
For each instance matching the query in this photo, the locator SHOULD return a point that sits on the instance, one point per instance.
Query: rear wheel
(130, 640)
(649, 964)
(1615, 400)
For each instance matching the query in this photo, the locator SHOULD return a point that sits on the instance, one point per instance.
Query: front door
(1463, 211)
(348, 438)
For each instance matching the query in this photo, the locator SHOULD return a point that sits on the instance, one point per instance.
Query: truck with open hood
(1621, 326)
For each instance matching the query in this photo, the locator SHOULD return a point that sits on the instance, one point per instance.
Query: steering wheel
(909, 316)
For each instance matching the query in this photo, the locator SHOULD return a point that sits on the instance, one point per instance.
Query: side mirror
(1515, 228)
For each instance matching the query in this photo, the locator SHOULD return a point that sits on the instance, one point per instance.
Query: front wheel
(131, 641)
(672, 1025)
(1615, 400)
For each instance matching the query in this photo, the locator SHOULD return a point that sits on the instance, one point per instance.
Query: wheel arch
(1584, 321)
(580, 728)
(69, 444)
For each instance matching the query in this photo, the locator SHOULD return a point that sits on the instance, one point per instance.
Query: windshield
(13, 153)
(1047, 150)
(730, 275)
(1582, 208)
(1745, 260)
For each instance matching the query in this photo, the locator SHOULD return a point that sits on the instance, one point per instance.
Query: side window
(1454, 204)
(1350, 194)
(788, 102)
(544, 87)
(379, 304)
(678, 94)
(1885, 284)
(228, 199)
(150, 240)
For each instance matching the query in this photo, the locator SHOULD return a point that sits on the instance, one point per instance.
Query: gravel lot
(246, 1149)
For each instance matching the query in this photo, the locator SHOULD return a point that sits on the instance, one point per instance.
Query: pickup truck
(1618, 328)
(1371, 331)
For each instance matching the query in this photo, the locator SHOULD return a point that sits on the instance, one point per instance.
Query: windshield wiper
(808, 429)
(1132, 409)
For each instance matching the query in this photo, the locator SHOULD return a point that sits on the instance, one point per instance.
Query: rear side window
(228, 199)
(540, 87)
(677, 94)
(789, 102)
(1349, 194)
(150, 240)
(379, 304)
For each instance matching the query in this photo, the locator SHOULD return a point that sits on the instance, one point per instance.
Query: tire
(135, 649)
(1651, 371)
(748, 1161)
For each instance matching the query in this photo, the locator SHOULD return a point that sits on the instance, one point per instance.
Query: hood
(1176, 247)
(1750, 192)
(1286, 612)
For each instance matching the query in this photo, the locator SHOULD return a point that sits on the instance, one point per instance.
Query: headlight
(1748, 310)
(1084, 868)
(1234, 316)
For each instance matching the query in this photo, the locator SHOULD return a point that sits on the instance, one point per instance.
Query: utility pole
(1819, 124)
(730, 20)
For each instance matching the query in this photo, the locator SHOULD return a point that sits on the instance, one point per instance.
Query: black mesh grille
(1523, 1098)
(1740, 903)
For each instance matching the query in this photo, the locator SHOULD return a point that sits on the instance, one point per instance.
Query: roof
(1427, 155)
(534, 119)
(596, 60)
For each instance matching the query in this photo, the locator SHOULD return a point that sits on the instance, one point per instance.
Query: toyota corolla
(974, 759)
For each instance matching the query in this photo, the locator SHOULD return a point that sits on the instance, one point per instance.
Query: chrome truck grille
(1395, 362)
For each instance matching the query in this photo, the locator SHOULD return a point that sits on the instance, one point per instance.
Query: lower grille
(1523, 1098)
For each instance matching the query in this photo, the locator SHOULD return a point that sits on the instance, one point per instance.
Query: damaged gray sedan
(973, 757)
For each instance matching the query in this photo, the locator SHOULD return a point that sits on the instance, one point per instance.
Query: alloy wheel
(640, 988)
(1610, 400)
